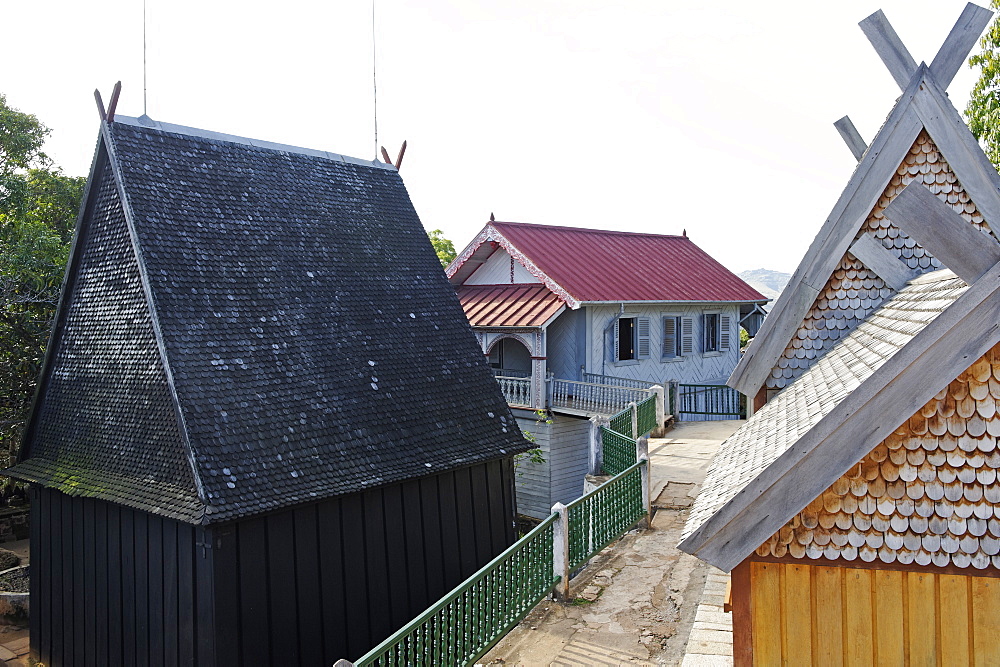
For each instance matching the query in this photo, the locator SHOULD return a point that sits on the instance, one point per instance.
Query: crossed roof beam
(897, 59)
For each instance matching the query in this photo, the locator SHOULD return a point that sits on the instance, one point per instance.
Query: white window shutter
(669, 337)
(642, 338)
(724, 326)
(687, 335)
(615, 335)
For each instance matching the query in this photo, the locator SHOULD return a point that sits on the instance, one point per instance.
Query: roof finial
(492, 219)
(109, 113)
(399, 159)
(684, 233)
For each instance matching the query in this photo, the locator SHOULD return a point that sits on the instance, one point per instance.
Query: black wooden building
(264, 433)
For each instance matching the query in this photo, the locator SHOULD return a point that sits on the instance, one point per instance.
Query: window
(715, 332)
(678, 336)
(631, 338)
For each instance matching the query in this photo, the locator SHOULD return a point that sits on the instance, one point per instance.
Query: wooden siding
(927, 494)
(327, 581)
(111, 585)
(569, 449)
(804, 614)
(694, 368)
(496, 270)
(854, 290)
(566, 345)
(533, 480)
(306, 586)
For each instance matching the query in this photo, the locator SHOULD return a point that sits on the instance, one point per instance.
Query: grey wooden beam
(855, 204)
(960, 41)
(955, 142)
(889, 47)
(883, 262)
(851, 137)
(965, 250)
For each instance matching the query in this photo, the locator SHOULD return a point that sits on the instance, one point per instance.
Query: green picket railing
(618, 451)
(598, 518)
(622, 423)
(468, 621)
(647, 415)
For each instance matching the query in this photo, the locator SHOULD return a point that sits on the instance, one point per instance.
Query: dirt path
(636, 602)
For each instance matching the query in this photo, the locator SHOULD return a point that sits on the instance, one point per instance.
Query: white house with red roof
(579, 321)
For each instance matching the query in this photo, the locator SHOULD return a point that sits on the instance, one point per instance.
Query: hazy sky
(638, 116)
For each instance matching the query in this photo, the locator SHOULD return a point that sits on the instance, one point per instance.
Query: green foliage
(444, 248)
(744, 338)
(38, 207)
(535, 455)
(983, 109)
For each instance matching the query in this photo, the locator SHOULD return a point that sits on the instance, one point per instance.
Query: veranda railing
(597, 378)
(517, 391)
(602, 399)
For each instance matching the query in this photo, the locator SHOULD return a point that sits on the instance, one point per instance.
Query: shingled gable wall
(333, 524)
(853, 290)
(900, 556)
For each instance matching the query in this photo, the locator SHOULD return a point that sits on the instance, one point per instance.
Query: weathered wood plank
(796, 614)
(765, 603)
(851, 137)
(946, 347)
(954, 605)
(948, 236)
(857, 592)
(888, 609)
(828, 623)
(887, 151)
(883, 262)
(742, 615)
(959, 42)
(921, 610)
(956, 143)
(890, 48)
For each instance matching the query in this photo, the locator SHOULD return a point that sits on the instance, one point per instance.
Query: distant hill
(767, 282)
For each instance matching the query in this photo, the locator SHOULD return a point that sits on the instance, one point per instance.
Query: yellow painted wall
(807, 614)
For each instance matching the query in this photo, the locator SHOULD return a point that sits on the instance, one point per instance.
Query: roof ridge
(587, 229)
(148, 123)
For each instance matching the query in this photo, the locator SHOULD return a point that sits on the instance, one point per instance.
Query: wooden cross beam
(851, 137)
(109, 113)
(399, 158)
(950, 56)
(968, 252)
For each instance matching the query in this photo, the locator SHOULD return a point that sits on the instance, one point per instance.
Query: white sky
(643, 115)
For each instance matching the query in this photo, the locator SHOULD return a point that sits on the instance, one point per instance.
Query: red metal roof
(508, 305)
(598, 265)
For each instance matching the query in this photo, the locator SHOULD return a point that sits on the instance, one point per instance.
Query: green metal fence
(647, 415)
(618, 451)
(697, 402)
(469, 620)
(601, 516)
(622, 423)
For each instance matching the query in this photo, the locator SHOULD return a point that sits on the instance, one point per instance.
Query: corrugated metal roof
(599, 265)
(508, 305)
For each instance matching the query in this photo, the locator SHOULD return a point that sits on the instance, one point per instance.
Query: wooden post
(642, 454)
(596, 459)
(661, 416)
(560, 551)
(742, 615)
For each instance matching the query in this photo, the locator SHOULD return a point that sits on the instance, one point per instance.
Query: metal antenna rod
(144, 58)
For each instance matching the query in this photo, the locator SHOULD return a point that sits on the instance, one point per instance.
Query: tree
(444, 248)
(38, 207)
(983, 109)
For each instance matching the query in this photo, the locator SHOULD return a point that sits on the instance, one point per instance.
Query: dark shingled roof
(312, 344)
